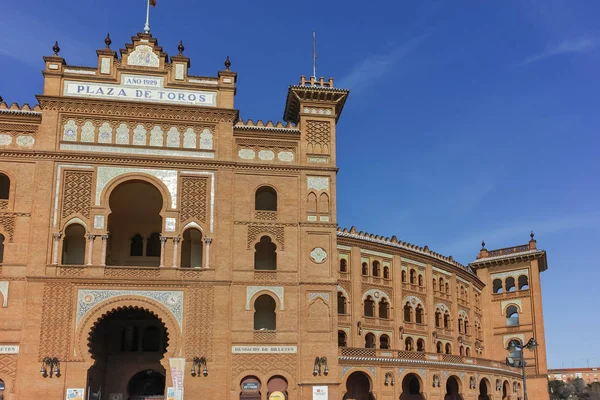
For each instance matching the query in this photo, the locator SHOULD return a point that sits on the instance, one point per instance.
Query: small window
(467, 327)
(153, 245)
(419, 314)
(384, 309)
(523, 282)
(408, 344)
(386, 273)
(441, 284)
(403, 276)
(439, 348)
(341, 339)
(447, 288)
(384, 342)
(341, 303)
(434, 284)
(420, 345)
(447, 320)
(265, 199)
(265, 255)
(413, 277)
(497, 286)
(421, 280)
(448, 348)
(375, 268)
(74, 245)
(460, 325)
(461, 350)
(438, 318)
(468, 352)
(407, 312)
(4, 187)
(369, 341)
(369, 307)
(1, 248)
(510, 284)
(365, 269)
(264, 314)
(343, 265)
(512, 316)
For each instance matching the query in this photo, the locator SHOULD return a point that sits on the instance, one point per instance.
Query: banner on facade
(177, 374)
(170, 393)
(320, 393)
(75, 394)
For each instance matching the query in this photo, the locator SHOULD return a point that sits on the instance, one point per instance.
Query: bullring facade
(154, 243)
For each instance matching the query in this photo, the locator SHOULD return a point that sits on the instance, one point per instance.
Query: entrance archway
(277, 385)
(452, 389)
(127, 345)
(411, 388)
(250, 386)
(135, 224)
(485, 388)
(358, 387)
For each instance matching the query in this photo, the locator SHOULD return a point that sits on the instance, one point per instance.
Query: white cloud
(579, 45)
(378, 65)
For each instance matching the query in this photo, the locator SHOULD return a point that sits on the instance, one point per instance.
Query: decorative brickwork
(199, 317)
(131, 273)
(318, 136)
(266, 215)
(193, 198)
(264, 363)
(8, 367)
(57, 313)
(77, 193)
(254, 230)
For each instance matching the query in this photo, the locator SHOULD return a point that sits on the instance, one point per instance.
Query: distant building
(152, 241)
(589, 375)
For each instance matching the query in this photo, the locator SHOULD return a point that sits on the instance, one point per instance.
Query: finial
(227, 64)
(531, 235)
(107, 41)
(1, 99)
(483, 244)
(55, 48)
(180, 47)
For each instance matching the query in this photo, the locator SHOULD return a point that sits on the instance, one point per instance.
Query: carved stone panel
(77, 193)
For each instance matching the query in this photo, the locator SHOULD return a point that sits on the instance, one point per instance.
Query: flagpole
(147, 26)
(315, 54)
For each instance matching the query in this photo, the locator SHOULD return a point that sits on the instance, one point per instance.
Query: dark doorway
(146, 384)
(358, 387)
(452, 389)
(484, 390)
(411, 388)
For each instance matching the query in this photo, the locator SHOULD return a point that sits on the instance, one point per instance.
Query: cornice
(136, 109)
(511, 258)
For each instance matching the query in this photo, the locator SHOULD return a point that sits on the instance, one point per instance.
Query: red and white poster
(177, 374)
(320, 392)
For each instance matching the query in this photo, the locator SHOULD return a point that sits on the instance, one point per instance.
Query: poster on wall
(320, 392)
(177, 373)
(170, 393)
(75, 394)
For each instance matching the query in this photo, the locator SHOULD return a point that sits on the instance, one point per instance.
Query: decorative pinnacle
(483, 244)
(107, 41)
(180, 47)
(227, 64)
(531, 235)
(55, 48)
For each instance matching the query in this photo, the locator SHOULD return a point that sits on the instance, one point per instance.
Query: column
(56, 241)
(208, 242)
(176, 241)
(104, 244)
(163, 240)
(90, 248)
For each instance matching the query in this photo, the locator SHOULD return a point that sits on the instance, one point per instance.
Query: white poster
(177, 373)
(320, 392)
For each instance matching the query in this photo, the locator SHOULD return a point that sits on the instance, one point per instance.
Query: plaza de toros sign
(140, 88)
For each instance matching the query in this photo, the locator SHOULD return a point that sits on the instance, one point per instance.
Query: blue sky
(466, 120)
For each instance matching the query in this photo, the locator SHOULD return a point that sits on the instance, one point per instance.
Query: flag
(152, 3)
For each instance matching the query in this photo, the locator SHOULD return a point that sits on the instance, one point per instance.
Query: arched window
(265, 255)
(419, 314)
(441, 284)
(447, 288)
(386, 273)
(468, 352)
(523, 282)
(1, 248)
(420, 345)
(341, 339)
(497, 286)
(512, 316)
(446, 320)
(461, 350)
(438, 318)
(264, 313)
(74, 245)
(375, 268)
(369, 341)
(153, 245)
(384, 342)
(403, 276)
(460, 325)
(407, 312)
(448, 348)
(439, 348)
(434, 284)
(421, 280)
(510, 284)
(413, 277)
(343, 265)
(136, 248)
(408, 344)
(4, 187)
(384, 309)
(191, 249)
(369, 307)
(341, 303)
(265, 199)
(365, 269)
(467, 327)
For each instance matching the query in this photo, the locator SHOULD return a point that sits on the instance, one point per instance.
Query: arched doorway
(127, 345)
(74, 245)
(411, 388)
(452, 389)
(134, 224)
(191, 249)
(250, 388)
(485, 388)
(358, 387)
